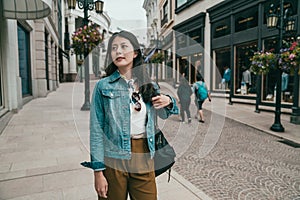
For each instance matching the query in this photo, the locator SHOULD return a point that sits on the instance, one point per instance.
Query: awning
(26, 9)
(150, 55)
(63, 53)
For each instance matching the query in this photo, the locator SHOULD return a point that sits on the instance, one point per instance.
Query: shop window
(169, 63)
(246, 19)
(222, 60)
(244, 80)
(269, 80)
(183, 64)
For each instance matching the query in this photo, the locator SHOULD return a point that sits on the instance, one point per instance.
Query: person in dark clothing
(184, 93)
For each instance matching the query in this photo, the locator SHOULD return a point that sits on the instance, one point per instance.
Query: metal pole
(81, 74)
(86, 105)
(277, 126)
(259, 77)
(295, 117)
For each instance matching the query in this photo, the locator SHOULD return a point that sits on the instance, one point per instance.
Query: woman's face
(122, 53)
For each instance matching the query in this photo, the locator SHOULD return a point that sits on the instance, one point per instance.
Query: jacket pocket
(111, 94)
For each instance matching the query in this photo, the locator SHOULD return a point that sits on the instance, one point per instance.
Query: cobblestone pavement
(244, 163)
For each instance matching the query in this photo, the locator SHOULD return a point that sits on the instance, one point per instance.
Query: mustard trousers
(135, 177)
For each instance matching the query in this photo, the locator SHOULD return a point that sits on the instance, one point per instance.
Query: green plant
(157, 58)
(262, 62)
(88, 35)
(289, 57)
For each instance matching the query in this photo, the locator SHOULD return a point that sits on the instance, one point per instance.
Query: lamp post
(282, 22)
(86, 5)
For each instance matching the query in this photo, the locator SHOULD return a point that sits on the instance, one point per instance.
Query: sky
(127, 15)
(125, 9)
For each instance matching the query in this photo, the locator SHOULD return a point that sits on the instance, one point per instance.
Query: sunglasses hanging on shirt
(135, 98)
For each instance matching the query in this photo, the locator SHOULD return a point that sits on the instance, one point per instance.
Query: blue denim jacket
(110, 121)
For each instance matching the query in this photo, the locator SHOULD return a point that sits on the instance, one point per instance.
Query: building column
(208, 70)
(71, 73)
(40, 67)
(49, 80)
(295, 117)
(53, 71)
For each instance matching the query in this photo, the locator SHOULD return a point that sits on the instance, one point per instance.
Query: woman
(201, 94)
(122, 128)
(184, 93)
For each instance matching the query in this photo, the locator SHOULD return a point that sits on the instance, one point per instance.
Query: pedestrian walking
(122, 123)
(184, 93)
(201, 94)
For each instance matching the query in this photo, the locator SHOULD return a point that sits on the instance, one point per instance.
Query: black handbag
(164, 157)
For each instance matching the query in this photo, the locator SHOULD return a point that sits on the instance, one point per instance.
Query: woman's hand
(101, 185)
(161, 101)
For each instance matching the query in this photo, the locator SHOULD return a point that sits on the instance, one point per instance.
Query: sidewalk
(245, 114)
(43, 144)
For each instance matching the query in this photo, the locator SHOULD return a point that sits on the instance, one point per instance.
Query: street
(244, 164)
(43, 144)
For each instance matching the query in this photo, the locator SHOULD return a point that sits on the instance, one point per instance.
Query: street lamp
(283, 22)
(86, 5)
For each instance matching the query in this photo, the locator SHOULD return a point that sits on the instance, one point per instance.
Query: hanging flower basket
(295, 54)
(289, 57)
(157, 58)
(263, 62)
(88, 35)
(79, 62)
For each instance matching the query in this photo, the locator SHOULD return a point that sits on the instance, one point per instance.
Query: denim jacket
(110, 121)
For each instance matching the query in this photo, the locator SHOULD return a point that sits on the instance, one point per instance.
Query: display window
(191, 66)
(244, 79)
(269, 80)
(222, 61)
(169, 63)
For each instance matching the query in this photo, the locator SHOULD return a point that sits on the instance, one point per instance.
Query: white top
(137, 118)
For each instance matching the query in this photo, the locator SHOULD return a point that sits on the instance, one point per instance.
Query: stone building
(29, 47)
(220, 33)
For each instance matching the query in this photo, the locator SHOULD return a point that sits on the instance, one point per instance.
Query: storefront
(167, 47)
(22, 53)
(189, 41)
(235, 36)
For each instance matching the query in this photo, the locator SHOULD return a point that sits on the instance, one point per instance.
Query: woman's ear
(135, 54)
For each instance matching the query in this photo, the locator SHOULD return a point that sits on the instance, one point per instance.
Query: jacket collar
(114, 76)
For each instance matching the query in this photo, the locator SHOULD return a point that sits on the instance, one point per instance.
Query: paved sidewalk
(244, 113)
(43, 144)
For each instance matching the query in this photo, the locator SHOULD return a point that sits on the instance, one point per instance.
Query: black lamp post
(283, 22)
(86, 5)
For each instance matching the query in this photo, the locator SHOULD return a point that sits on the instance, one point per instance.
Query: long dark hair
(138, 70)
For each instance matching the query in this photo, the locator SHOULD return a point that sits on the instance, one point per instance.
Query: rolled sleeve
(96, 132)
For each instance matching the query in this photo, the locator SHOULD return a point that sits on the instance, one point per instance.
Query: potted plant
(157, 58)
(262, 62)
(88, 35)
(289, 57)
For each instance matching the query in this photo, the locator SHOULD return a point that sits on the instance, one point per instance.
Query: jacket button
(150, 139)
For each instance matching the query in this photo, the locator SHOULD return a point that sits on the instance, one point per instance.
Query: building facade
(29, 46)
(235, 36)
(211, 36)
